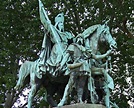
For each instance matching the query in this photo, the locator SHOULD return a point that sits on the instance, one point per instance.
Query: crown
(59, 18)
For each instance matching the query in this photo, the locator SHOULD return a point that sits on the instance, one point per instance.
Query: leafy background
(21, 37)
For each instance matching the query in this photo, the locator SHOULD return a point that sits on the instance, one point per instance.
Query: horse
(92, 36)
(105, 35)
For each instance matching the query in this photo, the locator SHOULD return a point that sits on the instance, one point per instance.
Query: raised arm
(43, 16)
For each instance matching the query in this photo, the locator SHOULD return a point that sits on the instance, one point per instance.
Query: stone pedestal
(78, 105)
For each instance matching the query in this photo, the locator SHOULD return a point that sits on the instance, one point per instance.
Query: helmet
(59, 18)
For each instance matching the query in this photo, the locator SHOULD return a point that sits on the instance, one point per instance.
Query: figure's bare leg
(67, 90)
(33, 90)
(80, 88)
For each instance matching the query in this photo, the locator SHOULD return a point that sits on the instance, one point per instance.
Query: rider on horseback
(60, 39)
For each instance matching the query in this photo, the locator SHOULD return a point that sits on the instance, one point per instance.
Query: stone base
(78, 105)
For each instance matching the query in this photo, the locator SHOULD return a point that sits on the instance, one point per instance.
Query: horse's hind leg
(19, 82)
(67, 90)
(31, 95)
(23, 73)
(33, 90)
(51, 90)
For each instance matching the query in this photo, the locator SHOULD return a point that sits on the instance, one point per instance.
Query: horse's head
(105, 35)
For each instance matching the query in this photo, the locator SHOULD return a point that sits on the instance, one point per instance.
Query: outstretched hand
(108, 52)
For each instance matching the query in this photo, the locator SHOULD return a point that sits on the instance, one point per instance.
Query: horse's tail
(23, 73)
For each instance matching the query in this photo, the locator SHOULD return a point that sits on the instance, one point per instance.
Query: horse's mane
(90, 30)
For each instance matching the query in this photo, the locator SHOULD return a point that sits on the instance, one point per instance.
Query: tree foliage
(21, 36)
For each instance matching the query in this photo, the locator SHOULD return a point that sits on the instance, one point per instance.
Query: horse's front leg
(91, 88)
(107, 96)
(33, 90)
